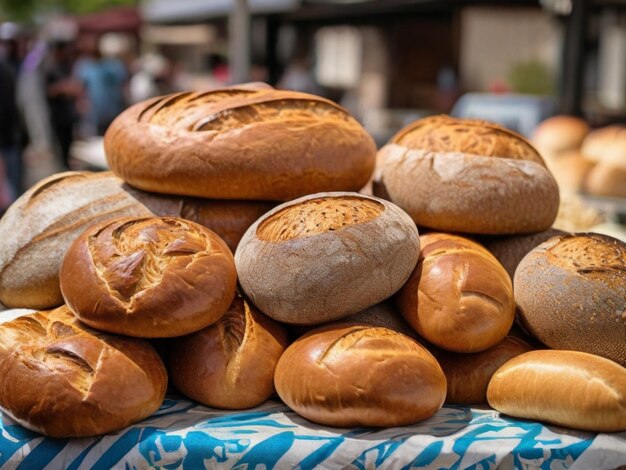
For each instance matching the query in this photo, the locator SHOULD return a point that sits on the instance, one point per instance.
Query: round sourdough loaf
(39, 227)
(566, 388)
(571, 294)
(560, 134)
(459, 297)
(62, 379)
(228, 219)
(464, 175)
(231, 363)
(358, 375)
(150, 277)
(468, 375)
(326, 256)
(240, 143)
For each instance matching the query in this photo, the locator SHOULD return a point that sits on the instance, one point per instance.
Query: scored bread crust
(240, 143)
(39, 227)
(307, 268)
(151, 277)
(62, 379)
(468, 176)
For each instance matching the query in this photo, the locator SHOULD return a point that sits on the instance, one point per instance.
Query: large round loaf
(566, 388)
(240, 143)
(39, 227)
(228, 219)
(463, 175)
(358, 375)
(459, 297)
(231, 363)
(62, 379)
(150, 277)
(326, 256)
(571, 294)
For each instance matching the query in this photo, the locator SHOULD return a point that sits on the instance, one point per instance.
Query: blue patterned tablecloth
(185, 435)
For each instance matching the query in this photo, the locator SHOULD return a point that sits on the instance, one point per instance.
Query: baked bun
(468, 375)
(509, 250)
(356, 375)
(240, 143)
(326, 256)
(607, 180)
(151, 277)
(61, 379)
(463, 175)
(459, 297)
(37, 230)
(560, 134)
(231, 363)
(571, 171)
(604, 145)
(571, 294)
(228, 219)
(566, 388)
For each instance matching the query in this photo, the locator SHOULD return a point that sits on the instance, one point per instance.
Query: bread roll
(606, 179)
(150, 277)
(61, 379)
(39, 227)
(560, 134)
(326, 256)
(459, 297)
(357, 375)
(240, 143)
(571, 171)
(468, 375)
(231, 363)
(509, 250)
(463, 175)
(604, 144)
(566, 388)
(228, 219)
(571, 294)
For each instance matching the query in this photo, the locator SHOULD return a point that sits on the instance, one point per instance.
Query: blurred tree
(27, 10)
(532, 77)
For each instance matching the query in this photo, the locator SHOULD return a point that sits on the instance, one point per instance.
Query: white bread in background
(570, 170)
(605, 145)
(606, 179)
(567, 388)
(559, 134)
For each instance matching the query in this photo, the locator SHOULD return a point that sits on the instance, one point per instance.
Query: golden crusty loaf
(510, 249)
(150, 277)
(459, 297)
(38, 228)
(62, 379)
(560, 134)
(567, 388)
(358, 375)
(468, 375)
(240, 143)
(470, 176)
(326, 256)
(571, 294)
(228, 219)
(231, 363)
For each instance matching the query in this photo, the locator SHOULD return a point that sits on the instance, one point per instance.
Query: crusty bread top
(314, 216)
(470, 136)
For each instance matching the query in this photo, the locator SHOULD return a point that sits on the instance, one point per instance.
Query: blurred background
(68, 67)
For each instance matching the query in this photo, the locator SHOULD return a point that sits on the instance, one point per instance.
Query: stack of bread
(332, 299)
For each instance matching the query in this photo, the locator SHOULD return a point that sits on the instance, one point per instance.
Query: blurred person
(149, 79)
(298, 77)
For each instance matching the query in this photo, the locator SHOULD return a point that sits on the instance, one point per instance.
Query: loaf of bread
(607, 179)
(571, 171)
(462, 175)
(39, 227)
(360, 376)
(150, 277)
(459, 297)
(228, 219)
(326, 256)
(468, 375)
(231, 363)
(560, 134)
(566, 388)
(61, 379)
(571, 294)
(606, 144)
(240, 143)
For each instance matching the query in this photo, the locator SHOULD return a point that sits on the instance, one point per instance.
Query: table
(186, 435)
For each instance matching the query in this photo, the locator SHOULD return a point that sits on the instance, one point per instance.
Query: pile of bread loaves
(332, 299)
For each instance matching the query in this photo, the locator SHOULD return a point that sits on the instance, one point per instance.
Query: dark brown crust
(63, 379)
(240, 143)
(148, 277)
